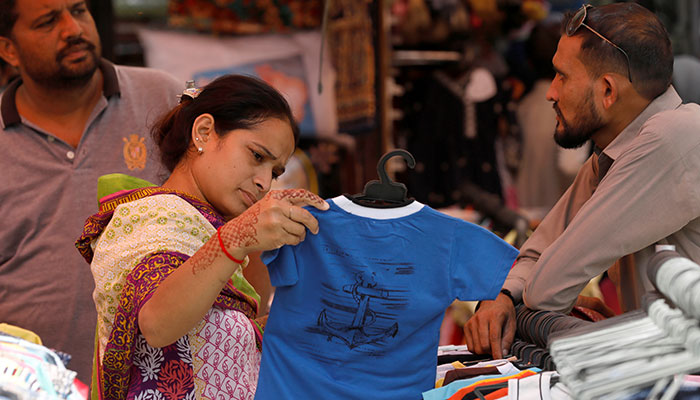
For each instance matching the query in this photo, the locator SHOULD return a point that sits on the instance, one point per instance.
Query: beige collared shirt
(650, 195)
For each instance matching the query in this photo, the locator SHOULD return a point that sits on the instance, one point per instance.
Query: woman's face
(234, 172)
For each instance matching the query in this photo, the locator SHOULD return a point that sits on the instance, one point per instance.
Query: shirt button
(70, 155)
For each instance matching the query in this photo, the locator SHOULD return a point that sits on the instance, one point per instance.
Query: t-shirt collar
(348, 206)
(8, 106)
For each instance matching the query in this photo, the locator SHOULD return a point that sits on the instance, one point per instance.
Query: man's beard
(587, 123)
(65, 76)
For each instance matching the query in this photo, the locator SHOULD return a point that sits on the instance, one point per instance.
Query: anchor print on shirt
(367, 325)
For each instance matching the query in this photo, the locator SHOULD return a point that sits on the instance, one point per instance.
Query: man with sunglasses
(641, 186)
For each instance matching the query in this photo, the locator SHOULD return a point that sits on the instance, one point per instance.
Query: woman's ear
(202, 128)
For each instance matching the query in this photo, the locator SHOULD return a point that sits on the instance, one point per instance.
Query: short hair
(235, 102)
(8, 17)
(640, 34)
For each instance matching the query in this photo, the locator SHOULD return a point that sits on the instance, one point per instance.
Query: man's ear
(8, 51)
(610, 90)
(202, 128)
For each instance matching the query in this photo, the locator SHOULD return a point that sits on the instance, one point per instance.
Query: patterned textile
(227, 345)
(162, 371)
(245, 16)
(351, 47)
(137, 239)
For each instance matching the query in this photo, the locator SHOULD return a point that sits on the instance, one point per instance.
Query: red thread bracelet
(223, 248)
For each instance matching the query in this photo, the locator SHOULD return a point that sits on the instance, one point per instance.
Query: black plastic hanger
(385, 193)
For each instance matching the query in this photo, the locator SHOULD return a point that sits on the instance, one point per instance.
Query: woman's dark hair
(640, 34)
(235, 102)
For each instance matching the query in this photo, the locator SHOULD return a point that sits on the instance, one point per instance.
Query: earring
(200, 150)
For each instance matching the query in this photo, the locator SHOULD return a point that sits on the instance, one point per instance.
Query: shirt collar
(110, 82)
(668, 100)
(8, 106)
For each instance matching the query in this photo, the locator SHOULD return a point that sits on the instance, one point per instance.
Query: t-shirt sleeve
(479, 262)
(281, 265)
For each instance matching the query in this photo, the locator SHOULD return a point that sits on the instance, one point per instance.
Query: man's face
(572, 93)
(56, 42)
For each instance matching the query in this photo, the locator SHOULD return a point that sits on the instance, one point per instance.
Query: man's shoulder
(675, 133)
(682, 122)
(148, 88)
(131, 77)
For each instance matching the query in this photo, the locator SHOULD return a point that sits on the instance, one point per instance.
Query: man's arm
(551, 227)
(649, 193)
(492, 327)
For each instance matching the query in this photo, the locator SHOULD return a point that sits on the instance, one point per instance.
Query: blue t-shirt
(358, 307)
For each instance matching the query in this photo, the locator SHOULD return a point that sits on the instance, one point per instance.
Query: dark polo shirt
(48, 190)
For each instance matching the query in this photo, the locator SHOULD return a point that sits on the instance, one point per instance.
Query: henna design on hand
(242, 233)
(204, 257)
(293, 194)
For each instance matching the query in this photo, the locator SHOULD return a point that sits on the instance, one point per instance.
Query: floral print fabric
(228, 368)
(162, 373)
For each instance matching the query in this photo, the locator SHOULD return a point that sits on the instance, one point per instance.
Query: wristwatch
(509, 294)
(504, 291)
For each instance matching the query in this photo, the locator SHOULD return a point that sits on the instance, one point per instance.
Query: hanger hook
(381, 166)
(384, 193)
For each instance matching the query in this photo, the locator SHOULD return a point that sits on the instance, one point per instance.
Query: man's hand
(595, 304)
(492, 327)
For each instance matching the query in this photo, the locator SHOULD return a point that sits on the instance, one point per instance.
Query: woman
(175, 315)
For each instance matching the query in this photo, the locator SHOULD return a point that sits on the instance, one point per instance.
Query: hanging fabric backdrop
(290, 63)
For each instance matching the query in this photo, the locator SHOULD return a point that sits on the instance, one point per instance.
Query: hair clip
(190, 91)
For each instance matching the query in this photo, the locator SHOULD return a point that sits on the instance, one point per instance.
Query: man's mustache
(556, 109)
(71, 46)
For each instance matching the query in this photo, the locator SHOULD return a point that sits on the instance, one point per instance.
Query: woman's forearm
(184, 297)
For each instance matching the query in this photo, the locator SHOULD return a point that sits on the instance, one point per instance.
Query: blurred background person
(546, 169)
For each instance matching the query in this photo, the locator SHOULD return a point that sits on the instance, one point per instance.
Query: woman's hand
(276, 220)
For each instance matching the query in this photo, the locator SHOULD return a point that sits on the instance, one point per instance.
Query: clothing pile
(32, 371)
(645, 351)
(471, 377)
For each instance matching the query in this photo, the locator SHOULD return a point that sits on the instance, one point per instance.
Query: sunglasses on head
(577, 21)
